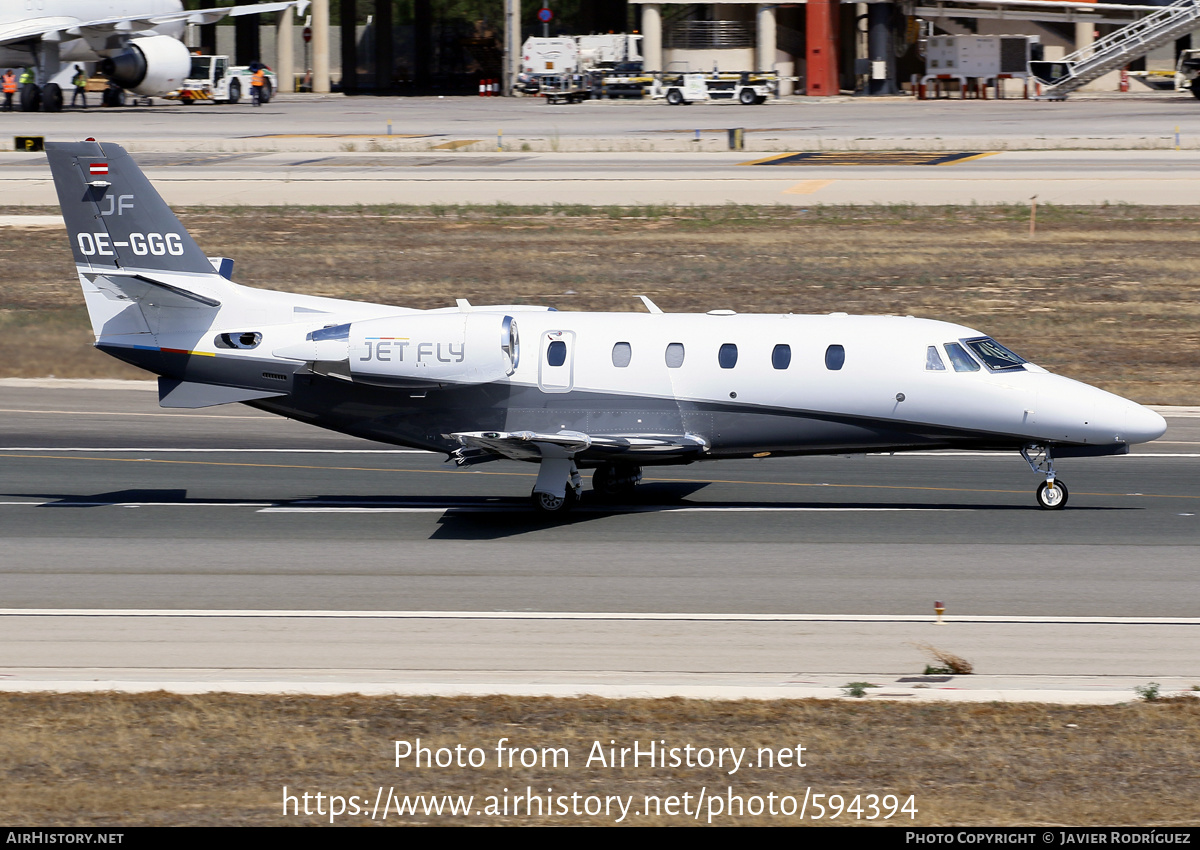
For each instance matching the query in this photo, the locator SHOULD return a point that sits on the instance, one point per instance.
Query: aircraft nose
(1143, 425)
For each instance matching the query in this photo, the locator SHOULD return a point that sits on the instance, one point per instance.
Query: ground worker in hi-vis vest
(80, 81)
(10, 88)
(256, 84)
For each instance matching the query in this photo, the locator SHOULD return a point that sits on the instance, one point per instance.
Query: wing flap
(478, 446)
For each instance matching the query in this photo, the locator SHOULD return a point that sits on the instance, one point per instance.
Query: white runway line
(585, 615)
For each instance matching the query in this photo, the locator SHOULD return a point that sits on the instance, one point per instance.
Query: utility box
(979, 55)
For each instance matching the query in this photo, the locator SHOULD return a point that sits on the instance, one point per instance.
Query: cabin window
(835, 357)
(781, 356)
(727, 356)
(556, 353)
(994, 355)
(622, 353)
(675, 355)
(933, 360)
(959, 357)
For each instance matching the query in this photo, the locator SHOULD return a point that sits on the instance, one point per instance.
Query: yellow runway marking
(861, 158)
(807, 187)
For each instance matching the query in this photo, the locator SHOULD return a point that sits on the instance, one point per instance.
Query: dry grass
(160, 759)
(946, 662)
(1106, 295)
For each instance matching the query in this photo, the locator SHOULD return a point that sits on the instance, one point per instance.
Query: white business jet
(136, 42)
(609, 391)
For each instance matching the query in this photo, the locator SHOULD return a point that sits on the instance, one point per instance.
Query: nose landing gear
(1051, 493)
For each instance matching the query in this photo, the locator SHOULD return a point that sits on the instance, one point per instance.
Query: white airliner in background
(135, 41)
(608, 391)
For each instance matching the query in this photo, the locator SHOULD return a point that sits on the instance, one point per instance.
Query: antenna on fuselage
(650, 305)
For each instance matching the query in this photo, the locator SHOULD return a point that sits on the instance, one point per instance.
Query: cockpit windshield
(994, 355)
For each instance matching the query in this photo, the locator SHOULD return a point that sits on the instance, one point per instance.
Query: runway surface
(225, 545)
(1056, 177)
(337, 150)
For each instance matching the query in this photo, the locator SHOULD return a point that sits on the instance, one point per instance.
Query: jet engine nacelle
(418, 351)
(148, 66)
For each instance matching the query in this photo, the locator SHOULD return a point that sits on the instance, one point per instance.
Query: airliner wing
(480, 446)
(58, 27)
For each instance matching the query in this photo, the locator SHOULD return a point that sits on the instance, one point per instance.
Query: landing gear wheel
(615, 481)
(31, 98)
(674, 97)
(1052, 496)
(748, 97)
(547, 503)
(52, 100)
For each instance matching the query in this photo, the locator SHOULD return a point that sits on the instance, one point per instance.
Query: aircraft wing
(480, 446)
(96, 31)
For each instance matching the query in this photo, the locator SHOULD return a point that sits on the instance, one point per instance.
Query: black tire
(235, 92)
(31, 98)
(52, 99)
(747, 97)
(545, 503)
(674, 97)
(614, 481)
(1052, 499)
(264, 96)
(1196, 87)
(113, 96)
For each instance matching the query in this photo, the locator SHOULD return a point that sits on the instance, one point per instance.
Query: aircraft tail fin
(115, 218)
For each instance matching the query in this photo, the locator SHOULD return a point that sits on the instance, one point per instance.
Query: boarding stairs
(1061, 77)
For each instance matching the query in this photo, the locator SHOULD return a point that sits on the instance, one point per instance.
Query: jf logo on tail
(570, 392)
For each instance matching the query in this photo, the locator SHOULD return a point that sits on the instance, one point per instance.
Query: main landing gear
(559, 485)
(1051, 493)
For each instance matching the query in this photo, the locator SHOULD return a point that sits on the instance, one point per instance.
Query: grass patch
(163, 759)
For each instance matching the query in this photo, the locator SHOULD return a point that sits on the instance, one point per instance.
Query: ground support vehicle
(1187, 72)
(213, 78)
(568, 88)
(747, 89)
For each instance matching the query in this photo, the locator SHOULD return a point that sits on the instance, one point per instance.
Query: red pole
(822, 18)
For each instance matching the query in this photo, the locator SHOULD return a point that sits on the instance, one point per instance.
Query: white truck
(213, 78)
(1187, 72)
(574, 54)
(747, 89)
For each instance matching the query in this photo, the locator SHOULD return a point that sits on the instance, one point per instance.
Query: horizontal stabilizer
(146, 290)
(189, 394)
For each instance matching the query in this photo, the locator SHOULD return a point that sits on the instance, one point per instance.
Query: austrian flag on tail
(98, 168)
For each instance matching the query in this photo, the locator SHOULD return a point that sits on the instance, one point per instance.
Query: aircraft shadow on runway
(475, 518)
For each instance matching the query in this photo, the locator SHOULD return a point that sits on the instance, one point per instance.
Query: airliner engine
(418, 351)
(149, 66)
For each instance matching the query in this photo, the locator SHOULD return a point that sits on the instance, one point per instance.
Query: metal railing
(1117, 48)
